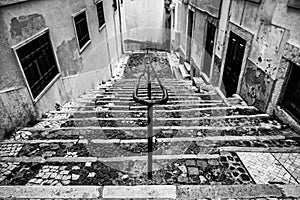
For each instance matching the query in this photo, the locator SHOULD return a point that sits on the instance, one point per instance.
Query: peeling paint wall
(256, 86)
(68, 57)
(25, 26)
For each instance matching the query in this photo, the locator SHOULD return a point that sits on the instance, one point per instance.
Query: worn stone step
(163, 132)
(157, 95)
(167, 146)
(122, 129)
(154, 192)
(255, 120)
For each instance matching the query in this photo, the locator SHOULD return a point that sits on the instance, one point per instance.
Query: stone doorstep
(152, 191)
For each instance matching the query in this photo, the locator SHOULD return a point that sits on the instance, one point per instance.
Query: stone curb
(152, 191)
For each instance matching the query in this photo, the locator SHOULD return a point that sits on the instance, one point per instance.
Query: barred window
(38, 63)
(100, 12)
(82, 30)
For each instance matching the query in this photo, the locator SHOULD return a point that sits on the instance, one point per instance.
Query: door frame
(215, 22)
(190, 8)
(248, 37)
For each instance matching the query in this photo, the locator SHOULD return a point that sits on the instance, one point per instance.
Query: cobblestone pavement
(203, 146)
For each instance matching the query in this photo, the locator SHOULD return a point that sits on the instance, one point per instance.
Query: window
(38, 63)
(291, 98)
(82, 30)
(115, 6)
(100, 12)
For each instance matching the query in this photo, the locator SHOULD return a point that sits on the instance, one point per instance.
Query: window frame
(49, 85)
(75, 30)
(103, 25)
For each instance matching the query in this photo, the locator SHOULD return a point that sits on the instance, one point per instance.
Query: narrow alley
(150, 99)
(204, 145)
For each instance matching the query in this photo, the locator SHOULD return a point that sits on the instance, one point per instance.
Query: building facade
(52, 51)
(245, 47)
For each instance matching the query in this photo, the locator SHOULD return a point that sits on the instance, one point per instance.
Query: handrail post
(150, 140)
(150, 126)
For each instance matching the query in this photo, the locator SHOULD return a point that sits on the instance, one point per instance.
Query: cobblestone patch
(9, 149)
(20, 173)
(265, 169)
(6, 169)
(54, 150)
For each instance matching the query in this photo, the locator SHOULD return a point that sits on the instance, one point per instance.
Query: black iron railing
(149, 103)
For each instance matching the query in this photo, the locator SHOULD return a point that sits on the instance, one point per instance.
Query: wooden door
(291, 99)
(233, 63)
(209, 48)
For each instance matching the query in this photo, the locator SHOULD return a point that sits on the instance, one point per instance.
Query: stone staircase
(96, 146)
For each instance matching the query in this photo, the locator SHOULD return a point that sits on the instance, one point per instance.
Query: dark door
(234, 59)
(190, 33)
(209, 47)
(291, 99)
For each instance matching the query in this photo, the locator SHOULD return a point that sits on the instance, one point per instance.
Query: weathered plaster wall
(273, 24)
(256, 86)
(144, 21)
(198, 38)
(16, 109)
(10, 73)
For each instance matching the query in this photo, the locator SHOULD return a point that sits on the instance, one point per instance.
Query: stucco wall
(79, 71)
(144, 21)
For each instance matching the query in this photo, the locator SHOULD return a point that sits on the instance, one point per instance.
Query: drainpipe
(108, 51)
(121, 32)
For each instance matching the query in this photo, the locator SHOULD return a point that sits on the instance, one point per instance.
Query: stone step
(164, 132)
(143, 95)
(171, 99)
(256, 120)
(154, 192)
(128, 148)
(122, 130)
(171, 103)
(234, 117)
(157, 107)
(240, 109)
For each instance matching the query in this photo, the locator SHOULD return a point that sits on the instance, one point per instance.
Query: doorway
(233, 63)
(189, 34)
(209, 47)
(291, 98)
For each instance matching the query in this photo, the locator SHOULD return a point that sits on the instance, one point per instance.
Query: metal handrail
(165, 96)
(150, 103)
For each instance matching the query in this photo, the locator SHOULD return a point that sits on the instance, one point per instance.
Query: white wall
(144, 20)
